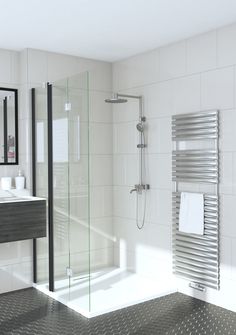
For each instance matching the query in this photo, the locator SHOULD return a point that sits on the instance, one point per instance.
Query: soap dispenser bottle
(20, 181)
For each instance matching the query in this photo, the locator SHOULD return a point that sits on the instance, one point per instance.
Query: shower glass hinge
(141, 146)
(67, 107)
(69, 272)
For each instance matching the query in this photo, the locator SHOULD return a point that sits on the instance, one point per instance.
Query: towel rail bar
(196, 257)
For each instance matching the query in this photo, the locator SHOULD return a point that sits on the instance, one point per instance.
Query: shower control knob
(140, 187)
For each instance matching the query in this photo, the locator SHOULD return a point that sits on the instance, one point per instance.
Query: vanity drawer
(22, 220)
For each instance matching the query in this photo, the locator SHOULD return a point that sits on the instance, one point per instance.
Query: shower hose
(143, 194)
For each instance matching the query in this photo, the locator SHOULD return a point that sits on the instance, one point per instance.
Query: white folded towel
(191, 214)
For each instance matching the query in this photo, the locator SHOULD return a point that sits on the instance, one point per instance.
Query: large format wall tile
(202, 52)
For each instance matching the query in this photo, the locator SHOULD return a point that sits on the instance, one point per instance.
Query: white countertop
(14, 195)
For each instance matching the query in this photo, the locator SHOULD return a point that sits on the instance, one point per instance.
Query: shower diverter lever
(140, 187)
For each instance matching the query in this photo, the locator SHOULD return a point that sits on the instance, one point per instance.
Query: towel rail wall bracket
(196, 257)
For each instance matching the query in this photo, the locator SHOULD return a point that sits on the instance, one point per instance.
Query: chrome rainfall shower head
(140, 127)
(115, 99)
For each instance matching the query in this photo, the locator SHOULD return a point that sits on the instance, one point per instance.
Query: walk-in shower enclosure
(76, 151)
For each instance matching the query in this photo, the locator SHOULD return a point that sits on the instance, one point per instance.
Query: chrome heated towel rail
(196, 257)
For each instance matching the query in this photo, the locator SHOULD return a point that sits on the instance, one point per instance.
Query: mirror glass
(8, 126)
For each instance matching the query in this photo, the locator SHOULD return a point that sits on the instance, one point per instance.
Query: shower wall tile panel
(195, 74)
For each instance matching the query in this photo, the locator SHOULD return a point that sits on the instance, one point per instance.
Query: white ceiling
(107, 29)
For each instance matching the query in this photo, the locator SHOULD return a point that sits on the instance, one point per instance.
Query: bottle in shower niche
(20, 181)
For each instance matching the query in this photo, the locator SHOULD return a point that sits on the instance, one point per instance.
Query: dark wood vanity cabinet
(22, 220)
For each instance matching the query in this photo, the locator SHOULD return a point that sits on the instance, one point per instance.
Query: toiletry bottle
(20, 181)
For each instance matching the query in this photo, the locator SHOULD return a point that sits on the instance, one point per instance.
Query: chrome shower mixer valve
(140, 187)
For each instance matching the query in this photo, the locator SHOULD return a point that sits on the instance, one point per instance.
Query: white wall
(192, 75)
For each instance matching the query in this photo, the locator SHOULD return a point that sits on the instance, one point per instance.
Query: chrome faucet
(140, 187)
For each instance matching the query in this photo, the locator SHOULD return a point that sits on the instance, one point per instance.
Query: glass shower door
(79, 218)
(60, 166)
(71, 190)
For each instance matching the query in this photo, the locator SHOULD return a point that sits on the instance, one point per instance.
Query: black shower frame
(5, 127)
(50, 183)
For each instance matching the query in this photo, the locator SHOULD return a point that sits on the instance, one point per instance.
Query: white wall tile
(158, 99)
(136, 71)
(131, 170)
(119, 170)
(61, 66)
(201, 52)
(101, 170)
(226, 172)
(101, 233)
(234, 173)
(100, 74)
(173, 61)
(5, 66)
(158, 133)
(24, 66)
(159, 170)
(228, 130)
(37, 66)
(226, 45)
(228, 216)
(125, 138)
(225, 257)
(6, 279)
(159, 206)
(186, 95)
(99, 111)
(233, 255)
(217, 89)
(101, 202)
(22, 275)
(15, 67)
(124, 203)
(100, 138)
(128, 111)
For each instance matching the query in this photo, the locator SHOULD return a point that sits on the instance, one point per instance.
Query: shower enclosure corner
(82, 150)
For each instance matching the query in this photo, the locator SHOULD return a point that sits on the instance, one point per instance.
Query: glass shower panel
(71, 191)
(79, 218)
(60, 138)
(41, 170)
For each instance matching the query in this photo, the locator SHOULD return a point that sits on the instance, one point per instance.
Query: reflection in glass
(8, 126)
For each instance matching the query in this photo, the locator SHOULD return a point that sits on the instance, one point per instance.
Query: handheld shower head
(140, 127)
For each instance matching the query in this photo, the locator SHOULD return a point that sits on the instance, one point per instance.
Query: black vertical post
(50, 188)
(34, 178)
(5, 130)
(16, 129)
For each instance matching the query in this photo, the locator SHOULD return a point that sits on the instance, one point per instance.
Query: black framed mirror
(8, 126)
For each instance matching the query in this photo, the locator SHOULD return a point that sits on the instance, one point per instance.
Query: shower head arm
(139, 97)
(129, 96)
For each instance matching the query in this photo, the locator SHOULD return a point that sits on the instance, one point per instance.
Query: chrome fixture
(141, 187)
(115, 99)
(196, 257)
(140, 127)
